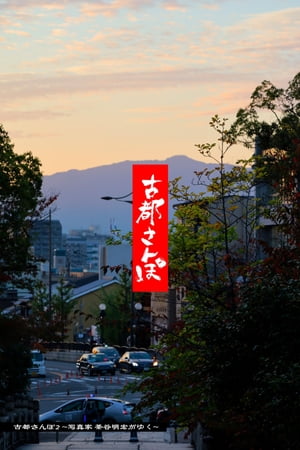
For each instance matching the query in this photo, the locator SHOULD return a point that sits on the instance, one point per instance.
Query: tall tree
(115, 321)
(44, 325)
(21, 201)
(277, 152)
(120, 305)
(232, 362)
(62, 306)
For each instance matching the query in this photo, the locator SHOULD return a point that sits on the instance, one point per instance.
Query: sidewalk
(115, 440)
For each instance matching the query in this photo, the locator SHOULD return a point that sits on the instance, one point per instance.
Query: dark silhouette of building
(46, 235)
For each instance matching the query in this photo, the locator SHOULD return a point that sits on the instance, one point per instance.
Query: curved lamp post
(137, 308)
(119, 199)
(123, 198)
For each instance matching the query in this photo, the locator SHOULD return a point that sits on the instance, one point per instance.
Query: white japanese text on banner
(150, 228)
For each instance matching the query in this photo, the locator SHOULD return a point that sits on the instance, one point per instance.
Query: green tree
(21, 201)
(232, 362)
(62, 306)
(282, 131)
(212, 236)
(277, 152)
(44, 326)
(210, 245)
(116, 321)
(119, 312)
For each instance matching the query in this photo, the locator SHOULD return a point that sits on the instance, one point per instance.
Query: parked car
(136, 361)
(111, 352)
(77, 411)
(95, 363)
(38, 368)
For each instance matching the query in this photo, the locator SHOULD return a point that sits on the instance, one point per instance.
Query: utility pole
(50, 267)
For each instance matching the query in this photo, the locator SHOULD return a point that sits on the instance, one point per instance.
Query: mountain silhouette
(79, 204)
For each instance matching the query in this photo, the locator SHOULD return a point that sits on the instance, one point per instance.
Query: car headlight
(135, 364)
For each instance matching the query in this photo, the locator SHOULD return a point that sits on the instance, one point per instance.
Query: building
(114, 256)
(86, 324)
(76, 251)
(83, 249)
(46, 235)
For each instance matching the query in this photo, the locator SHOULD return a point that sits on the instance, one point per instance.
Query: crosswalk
(67, 377)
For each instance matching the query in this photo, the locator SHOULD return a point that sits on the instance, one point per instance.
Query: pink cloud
(34, 86)
(110, 9)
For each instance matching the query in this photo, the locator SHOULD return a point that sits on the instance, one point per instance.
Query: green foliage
(119, 238)
(47, 324)
(62, 306)
(40, 296)
(232, 362)
(21, 201)
(284, 106)
(115, 322)
(40, 323)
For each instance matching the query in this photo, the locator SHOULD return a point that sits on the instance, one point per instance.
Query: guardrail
(70, 352)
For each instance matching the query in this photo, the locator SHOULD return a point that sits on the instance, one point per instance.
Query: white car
(38, 368)
(76, 411)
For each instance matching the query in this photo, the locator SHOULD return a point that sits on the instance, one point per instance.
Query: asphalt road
(63, 383)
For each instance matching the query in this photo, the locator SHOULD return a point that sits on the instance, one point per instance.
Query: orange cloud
(17, 32)
(58, 32)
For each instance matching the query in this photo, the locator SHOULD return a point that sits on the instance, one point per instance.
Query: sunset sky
(90, 83)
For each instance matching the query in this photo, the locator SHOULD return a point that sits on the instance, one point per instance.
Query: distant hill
(79, 204)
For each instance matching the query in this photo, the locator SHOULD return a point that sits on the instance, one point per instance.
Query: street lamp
(123, 198)
(102, 308)
(137, 307)
(50, 265)
(119, 199)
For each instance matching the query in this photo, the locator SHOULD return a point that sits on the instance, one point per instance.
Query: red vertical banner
(150, 228)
